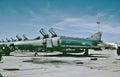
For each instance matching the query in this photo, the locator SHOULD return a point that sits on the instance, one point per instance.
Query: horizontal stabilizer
(37, 38)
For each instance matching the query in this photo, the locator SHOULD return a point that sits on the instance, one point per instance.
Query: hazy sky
(75, 18)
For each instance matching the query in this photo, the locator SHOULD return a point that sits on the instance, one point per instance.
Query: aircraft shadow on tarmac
(76, 55)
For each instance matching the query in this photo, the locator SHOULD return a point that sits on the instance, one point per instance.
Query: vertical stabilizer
(97, 36)
(12, 39)
(19, 38)
(24, 36)
(52, 32)
(3, 40)
(7, 40)
(45, 35)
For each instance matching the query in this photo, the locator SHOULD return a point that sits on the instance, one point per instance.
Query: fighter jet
(72, 44)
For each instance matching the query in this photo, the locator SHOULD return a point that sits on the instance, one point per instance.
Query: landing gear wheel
(36, 53)
(118, 51)
(64, 53)
(86, 52)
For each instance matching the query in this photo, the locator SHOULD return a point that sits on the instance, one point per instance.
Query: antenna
(98, 23)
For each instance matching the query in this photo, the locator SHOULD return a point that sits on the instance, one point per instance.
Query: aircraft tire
(64, 52)
(118, 51)
(86, 52)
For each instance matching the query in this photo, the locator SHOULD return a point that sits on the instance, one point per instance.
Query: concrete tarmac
(104, 63)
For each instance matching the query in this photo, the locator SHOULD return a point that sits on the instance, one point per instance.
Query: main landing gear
(86, 52)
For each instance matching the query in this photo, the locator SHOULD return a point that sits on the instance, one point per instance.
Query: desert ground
(103, 63)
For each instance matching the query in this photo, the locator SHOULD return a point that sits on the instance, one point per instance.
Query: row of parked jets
(62, 44)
